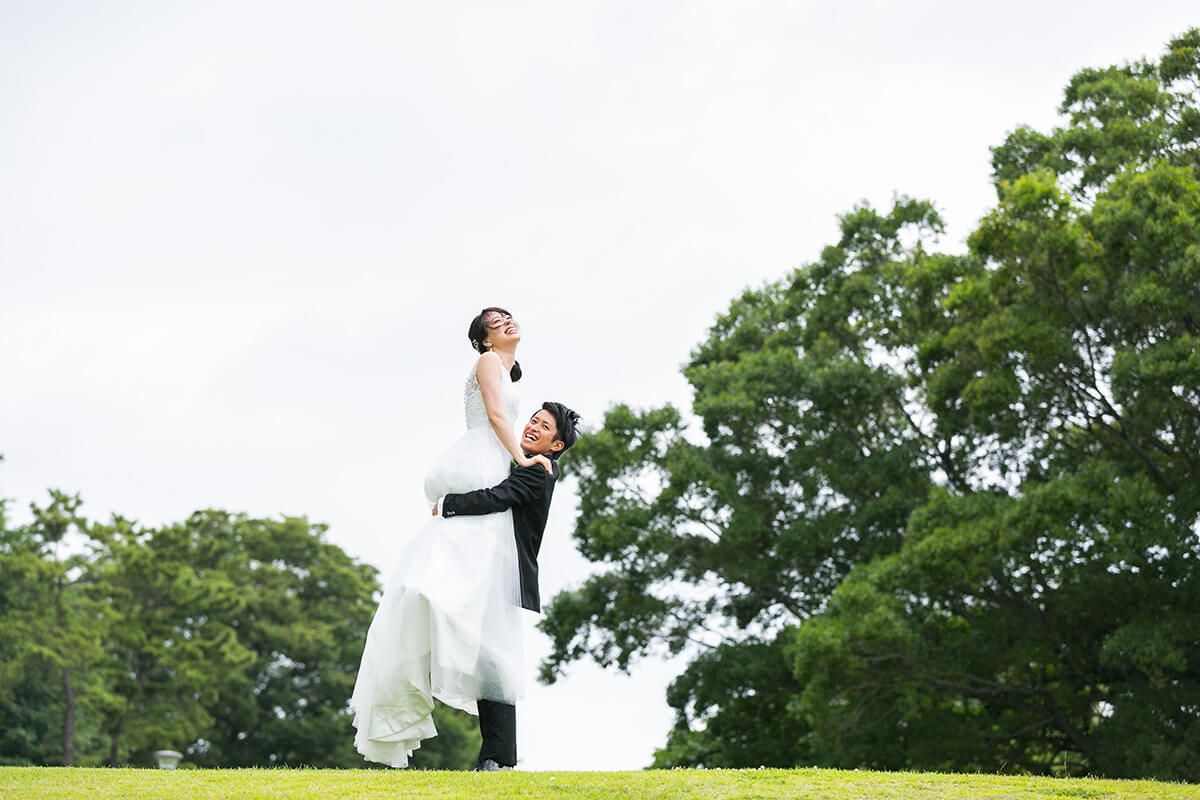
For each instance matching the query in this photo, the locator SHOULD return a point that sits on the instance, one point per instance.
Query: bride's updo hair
(479, 331)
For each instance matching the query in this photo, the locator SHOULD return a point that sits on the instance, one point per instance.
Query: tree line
(232, 639)
(936, 510)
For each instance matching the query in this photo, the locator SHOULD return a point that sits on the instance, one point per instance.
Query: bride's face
(502, 329)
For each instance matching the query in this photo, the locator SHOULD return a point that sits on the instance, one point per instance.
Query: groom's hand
(435, 505)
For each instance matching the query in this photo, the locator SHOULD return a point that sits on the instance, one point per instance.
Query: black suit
(527, 491)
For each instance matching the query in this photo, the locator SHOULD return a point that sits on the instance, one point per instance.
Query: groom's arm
(523, 485)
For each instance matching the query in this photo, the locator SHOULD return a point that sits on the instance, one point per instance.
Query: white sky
(240, 242)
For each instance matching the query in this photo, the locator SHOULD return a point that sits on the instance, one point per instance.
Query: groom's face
(538, 436)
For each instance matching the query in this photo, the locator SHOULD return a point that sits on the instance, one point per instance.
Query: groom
(527, 491)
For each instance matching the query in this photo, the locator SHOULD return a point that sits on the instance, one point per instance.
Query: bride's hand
(526, 461)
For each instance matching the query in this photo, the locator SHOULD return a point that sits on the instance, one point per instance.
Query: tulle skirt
(448, 625)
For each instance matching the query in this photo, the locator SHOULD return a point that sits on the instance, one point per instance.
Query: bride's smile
(502, 330)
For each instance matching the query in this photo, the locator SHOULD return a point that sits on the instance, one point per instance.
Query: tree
(171, 646)
(304, 610)
(943, 510)
(812, 463)
(232, 638)
(50, 642)
(1050, 612)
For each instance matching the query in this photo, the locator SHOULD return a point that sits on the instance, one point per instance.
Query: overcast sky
(240, 242)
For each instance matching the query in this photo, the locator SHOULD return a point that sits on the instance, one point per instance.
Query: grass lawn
(20, 783)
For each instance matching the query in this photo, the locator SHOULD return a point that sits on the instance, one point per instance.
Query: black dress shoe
(488, 765)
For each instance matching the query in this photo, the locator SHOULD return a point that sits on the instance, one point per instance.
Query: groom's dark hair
(566, 425)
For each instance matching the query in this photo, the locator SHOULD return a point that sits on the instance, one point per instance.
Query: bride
(448, 625)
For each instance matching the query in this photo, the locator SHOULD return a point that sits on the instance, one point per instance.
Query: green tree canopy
(936, 511)
(50, 637)
(231, 638)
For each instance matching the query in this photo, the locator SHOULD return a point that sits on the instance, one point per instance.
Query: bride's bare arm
(489, 373)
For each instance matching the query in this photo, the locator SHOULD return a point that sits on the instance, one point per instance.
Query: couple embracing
(448, 625)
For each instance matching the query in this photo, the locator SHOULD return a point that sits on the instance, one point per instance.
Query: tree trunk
(68, 687)
(68, 719)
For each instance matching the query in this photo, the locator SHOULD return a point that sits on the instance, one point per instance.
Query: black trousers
(498, 725)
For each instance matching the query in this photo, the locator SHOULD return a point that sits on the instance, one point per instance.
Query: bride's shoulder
(487, 363)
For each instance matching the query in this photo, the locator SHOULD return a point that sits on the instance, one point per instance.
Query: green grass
(20, 783)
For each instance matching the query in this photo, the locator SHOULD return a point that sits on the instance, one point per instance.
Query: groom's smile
(538, 436)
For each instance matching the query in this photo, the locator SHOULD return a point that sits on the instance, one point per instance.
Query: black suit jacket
(527, 491)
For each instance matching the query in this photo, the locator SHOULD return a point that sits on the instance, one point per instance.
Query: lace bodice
(473, 400)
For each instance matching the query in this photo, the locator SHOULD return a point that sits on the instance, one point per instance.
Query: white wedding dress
(448, 626)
